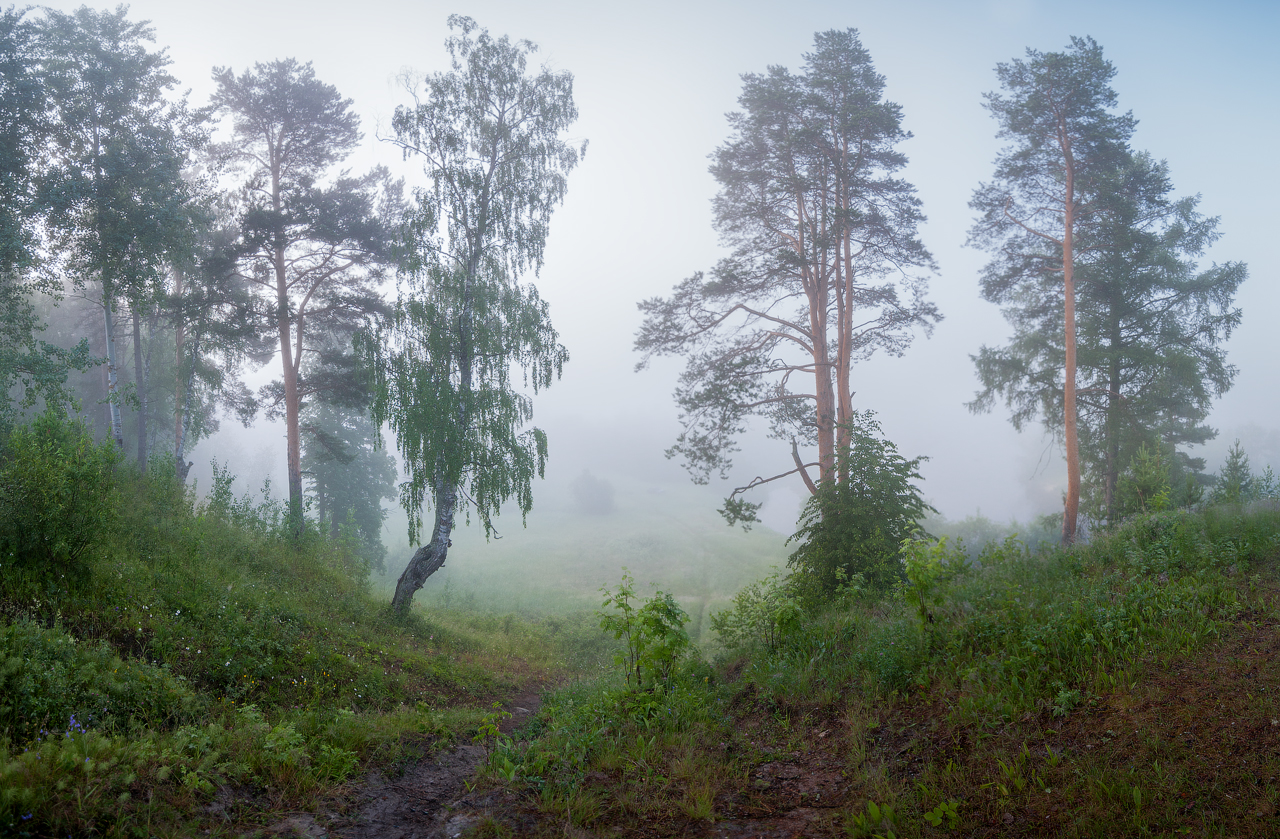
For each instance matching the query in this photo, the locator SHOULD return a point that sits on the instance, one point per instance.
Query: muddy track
(429, 801)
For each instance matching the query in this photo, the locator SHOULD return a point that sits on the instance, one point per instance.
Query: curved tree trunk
(429, 558)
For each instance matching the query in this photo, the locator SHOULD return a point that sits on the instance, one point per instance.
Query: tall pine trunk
(291, 361)
(1072, 505)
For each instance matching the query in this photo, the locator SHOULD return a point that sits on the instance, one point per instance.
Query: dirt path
(429, 801)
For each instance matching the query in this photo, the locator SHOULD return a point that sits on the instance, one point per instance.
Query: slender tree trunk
(153, 427)
(184, 465)
(108, 298)
(1112, 478)
(322, 506)
(140, 381)
(113, 384)
(1072, 506)
(179, 385)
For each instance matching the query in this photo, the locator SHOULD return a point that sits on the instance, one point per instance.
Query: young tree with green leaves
(112, 189)
(826, 269)
(1235, 484)
(315, 242)
(489, 134)
(1064, 143)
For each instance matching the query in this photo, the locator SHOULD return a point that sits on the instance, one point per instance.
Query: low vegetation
(165, 663)
(1119, 688)
(170, 666)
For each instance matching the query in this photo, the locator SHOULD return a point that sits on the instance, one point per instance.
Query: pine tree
(826, 268)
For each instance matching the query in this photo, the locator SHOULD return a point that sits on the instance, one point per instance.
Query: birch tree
(489, 134)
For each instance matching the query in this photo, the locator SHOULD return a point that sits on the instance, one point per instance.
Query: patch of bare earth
(429, 800)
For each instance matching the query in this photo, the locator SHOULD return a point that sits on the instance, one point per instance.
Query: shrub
(764, 612)
(856, 522)
(930, 565)
(654, 633)
(50, 682)
(593, 496)
(58, 495)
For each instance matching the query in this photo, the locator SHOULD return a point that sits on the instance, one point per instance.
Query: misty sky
(653, 82)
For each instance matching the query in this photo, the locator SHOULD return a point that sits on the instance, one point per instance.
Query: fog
(653, 83)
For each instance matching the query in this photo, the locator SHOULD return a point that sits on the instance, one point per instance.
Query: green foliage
(1015, 629)
(1266, 485)
(207, 648)
(875, 821)
(1235, 484)
(947, 811)
(764, 613)
(350, 474)
(929, 565)
(973, 533)
(35, 368)
(593, 722)
(653, 634)
(487, 732)
(855, 524)
(52, 684)
(58, 495)
(1145, 486)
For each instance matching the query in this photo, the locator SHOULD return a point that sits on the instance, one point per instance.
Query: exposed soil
(430, 800)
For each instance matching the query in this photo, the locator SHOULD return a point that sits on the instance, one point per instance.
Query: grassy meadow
(670, 539)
